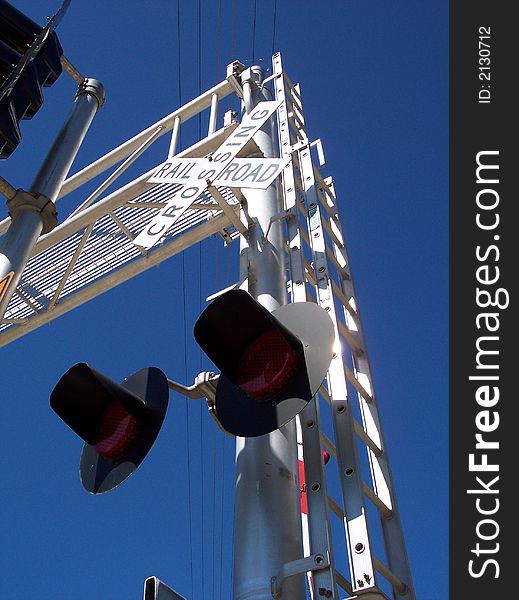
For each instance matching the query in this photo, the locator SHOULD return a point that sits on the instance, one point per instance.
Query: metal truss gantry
(92, 251)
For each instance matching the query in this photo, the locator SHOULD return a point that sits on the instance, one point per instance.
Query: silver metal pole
(34, 212)
(267, 504)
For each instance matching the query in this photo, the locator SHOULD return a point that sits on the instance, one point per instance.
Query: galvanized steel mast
(267, 515)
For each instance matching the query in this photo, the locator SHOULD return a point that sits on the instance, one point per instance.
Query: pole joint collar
(94, 88)
(23, 201)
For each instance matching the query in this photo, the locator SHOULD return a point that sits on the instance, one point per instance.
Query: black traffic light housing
(118, 422)
(272, 364)
(38, 66)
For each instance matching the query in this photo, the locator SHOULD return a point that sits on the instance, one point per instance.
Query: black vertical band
(483, 251)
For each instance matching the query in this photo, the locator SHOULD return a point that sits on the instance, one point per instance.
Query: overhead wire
(218, 38)
(216, 284)
(233, 27)
(184, 318)
(200, 415)
(222, 511)
(253, 31)
(220, 499)
(274, 26)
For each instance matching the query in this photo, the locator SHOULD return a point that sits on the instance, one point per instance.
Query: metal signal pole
(267, 516)
(33, 212)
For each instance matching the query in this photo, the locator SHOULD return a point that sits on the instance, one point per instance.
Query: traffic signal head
(271, 364)
(21, 99)
(118, 422)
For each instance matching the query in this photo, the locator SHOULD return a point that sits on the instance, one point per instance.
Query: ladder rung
(331, 233)
(360, 431)
(335, 508)
(293, 115)
(385, 511)
(325, 394)
(357, 385)
(292, 91)
(343, 582)
(345, 302)
(350, 338)
(299, 131)
(343, 272)
(341, 269)
(324, 184)
(328, 444)
(399, 585)
(323, 193)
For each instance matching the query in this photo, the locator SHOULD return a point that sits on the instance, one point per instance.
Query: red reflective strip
(266, 365)
(117, 429)
(302, 486)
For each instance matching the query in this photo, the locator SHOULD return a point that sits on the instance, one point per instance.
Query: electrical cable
(188, 441)
(184, 316)
(233, 26)
(221, 515)
(253, 31)
(200, 415)
(274, 26)
(218, 39)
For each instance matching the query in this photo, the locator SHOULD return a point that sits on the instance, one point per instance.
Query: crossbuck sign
(219, 168)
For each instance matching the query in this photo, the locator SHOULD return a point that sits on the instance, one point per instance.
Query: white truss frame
(92, 250)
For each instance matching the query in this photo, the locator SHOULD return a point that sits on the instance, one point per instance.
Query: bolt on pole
(267, 517)
(33, 212)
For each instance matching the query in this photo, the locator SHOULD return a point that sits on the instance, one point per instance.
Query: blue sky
(374, 84)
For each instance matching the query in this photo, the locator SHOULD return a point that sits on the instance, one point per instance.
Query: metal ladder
(319, 271)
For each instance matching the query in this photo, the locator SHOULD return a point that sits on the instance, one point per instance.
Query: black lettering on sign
(184, 174)
(240, 173)
(258, 116)
(222, 157)
(254, 173)
(162, 170)
(206, 174)
(268, 172)
(244, 131)
(170, 211)
(224, 175)
(153, 233)
(190, 192)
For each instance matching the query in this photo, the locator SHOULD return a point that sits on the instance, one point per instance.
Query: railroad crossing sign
(207, 172)
(241, 172)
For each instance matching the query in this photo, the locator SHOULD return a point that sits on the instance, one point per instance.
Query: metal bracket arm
(282, 216)
(234, 70)
(23, 201)
(6, 189)
(315, 562)
(204, 387)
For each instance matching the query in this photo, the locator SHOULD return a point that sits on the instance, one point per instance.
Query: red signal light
(272, 363)
(118, 422)
(117, 428)
(266, 365)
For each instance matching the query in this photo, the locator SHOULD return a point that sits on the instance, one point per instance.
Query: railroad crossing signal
(30, 58)
(204, 174)
(272, 364)
(118, 422)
